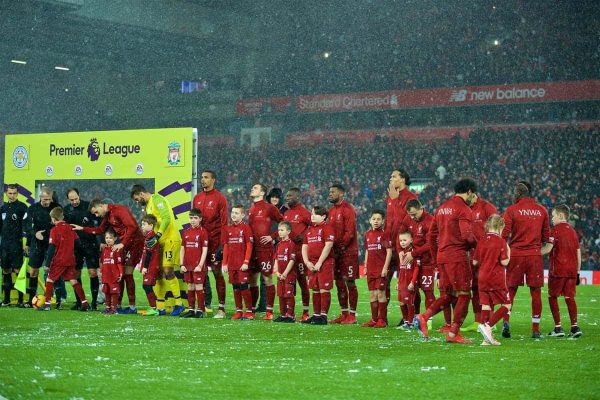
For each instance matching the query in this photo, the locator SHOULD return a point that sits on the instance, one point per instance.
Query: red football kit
(299, 217)
(193, 240)
(213, 206)
(377, 242)
(315, 238)
(124, 224)
(527, 226)
(286, 252)
(481, 210)
(450, 238)
(408, 273)
(562, 279)
(62, 264)
(490, 250)
(237, 251)
(421, 249)
(395, 214)
(261, 217)
(342, 219)
(150, 261)
(111, 268)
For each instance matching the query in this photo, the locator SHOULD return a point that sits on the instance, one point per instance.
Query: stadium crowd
(559, 164)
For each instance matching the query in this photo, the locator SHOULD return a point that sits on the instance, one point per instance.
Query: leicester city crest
(174, 153)
(20, 157)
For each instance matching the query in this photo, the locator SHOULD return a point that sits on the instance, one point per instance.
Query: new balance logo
(458, 95)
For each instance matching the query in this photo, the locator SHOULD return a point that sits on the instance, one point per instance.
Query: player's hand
(244, 267)
(183, 269)
(310, 266)
(393, 192)
(411, 286)
(384, 273)
(298, 239)
(118, 246)
(198, 269)
(144, 271)
(265, 239)
(39, 236)
(119, 278)
(224, 268)
(318, 266)
(26, 250)
(283, 276)
(76, 227)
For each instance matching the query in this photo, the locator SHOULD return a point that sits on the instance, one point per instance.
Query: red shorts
(377, 283)
(111, 287)
(238, 277)
(287, 288)
(406, 296)
(196, 278)
(529, 267)
(133, 253)
(57, 272)
(426, 278)
(323, 279)
(346, 265)
(455, 276)
(494, 297)
(558, 286)
(262, 262)
(151, 276)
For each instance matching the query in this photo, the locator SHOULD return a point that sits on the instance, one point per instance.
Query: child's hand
(283, 276)
(198, 268)
(318, 266)
(224, 267)
(411, 286)
(183, 269)
(119, 278)
(144, 271)
(384, 273)
(244, 267)
(310, 266)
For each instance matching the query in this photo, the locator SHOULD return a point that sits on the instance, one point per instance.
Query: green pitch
(74, 355)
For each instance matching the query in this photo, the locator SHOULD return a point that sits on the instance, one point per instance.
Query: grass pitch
(74, 355)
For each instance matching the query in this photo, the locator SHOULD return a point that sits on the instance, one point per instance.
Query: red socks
(342, 293)
(383, 310)
(443, 301)
(255, 293)
(572, 307)
(536, 308)
(151, 299)
(304, 291)
(270, 296)
(325, 303)
(291, 305)
(191, 298)
(553, 301)
(201, 299)
(476, 306)
(130, 289)
(460, 311)
(237, 298)
(353, 296)
(374, 310)
(316, 297)
(247, 295)
(49, 291)
(497, 316)
(220, 283)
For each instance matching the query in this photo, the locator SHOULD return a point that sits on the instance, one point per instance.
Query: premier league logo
(93, 150)
(174, 156)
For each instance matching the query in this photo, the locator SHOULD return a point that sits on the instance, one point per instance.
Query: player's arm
(547, 248)
(225, 262)
(415, 276)
(465, 226)
(305, 253)
(119, 262)
(349, 227)
(507, 225)
(289, 267)
(578, 260)
(223, 217)
(276, 267)
(203, 257)
(324, 254)
(130, 224)
(386, 264)
(247, 256)
(163, 210)
(182, 258)
(432, 239)
(50, 255)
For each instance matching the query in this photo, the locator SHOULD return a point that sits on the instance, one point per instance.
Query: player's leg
(350, 271)
(130, 284)
(254, 286)
(382, 303)
(325, 304)
(92, 261)
(151, 296)
(569, 291)
(353, 301)
(78, 267)
(7, 284)
(304, 290)
(220, 286)
(342, 291)
(78, 289)
(172, 284)
(188, 277)
(374, 305)
(270, 291)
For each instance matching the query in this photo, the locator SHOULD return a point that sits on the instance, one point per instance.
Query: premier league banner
(164, 155)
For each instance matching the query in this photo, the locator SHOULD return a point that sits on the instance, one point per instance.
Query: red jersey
(490, 250)
(238, 247)
(285, 252)
(315, 238)
(150, 255)
(451, 235)
(481, 210)
(124, 224)
(527, 225)
(299, 217)
(111, 264)
(396, 211)
(563, 257)
(342, 219)
(408, 272)
(260, 218)
(377, 242)
(419, 229)
(213, 206)
(193, 240)
(63, 237)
